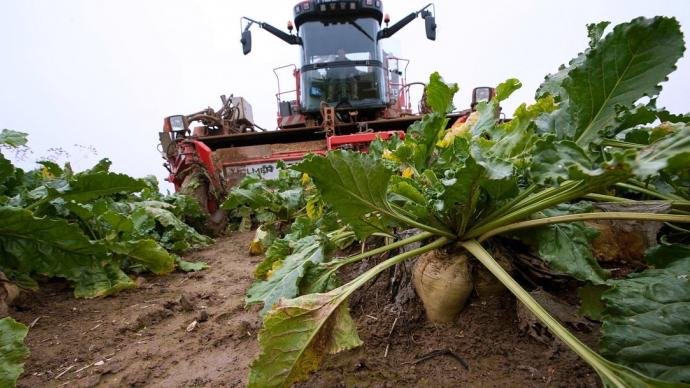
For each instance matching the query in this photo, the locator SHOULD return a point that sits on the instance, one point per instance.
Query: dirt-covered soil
(148, 337)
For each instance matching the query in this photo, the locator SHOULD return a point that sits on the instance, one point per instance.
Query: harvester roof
(325, 10)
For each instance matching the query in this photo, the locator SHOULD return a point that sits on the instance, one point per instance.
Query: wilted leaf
(178, 235)
(101, 279)
(297, 334)
(276, 252)
(261, 240)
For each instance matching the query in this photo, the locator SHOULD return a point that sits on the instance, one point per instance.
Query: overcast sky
(101, 75)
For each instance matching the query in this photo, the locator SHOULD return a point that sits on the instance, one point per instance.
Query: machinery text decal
(264, 170)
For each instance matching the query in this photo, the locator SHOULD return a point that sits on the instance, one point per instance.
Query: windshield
(354, 38)
(341, 64)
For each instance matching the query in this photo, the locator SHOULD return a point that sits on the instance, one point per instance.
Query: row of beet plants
(93, 228)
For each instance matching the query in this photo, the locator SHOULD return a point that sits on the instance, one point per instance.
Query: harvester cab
(342, 63)
(348, 91)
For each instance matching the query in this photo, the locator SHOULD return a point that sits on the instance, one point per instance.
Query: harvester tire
(196, 185)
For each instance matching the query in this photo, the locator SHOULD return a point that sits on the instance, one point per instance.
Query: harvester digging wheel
(196, 185)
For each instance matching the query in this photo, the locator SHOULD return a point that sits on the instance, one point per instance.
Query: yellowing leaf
(46, 174)
(297, 334)
(388, 155)
(274, 267)
(305, 180)
(459, 128)
(255, 246)
(408, 172)
(314, 208)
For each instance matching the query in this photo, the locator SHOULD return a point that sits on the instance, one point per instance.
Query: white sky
(103, 74)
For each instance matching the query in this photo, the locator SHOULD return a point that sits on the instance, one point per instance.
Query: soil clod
(185, 302)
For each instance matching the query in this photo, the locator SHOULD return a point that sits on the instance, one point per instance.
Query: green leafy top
(618, 70)
(12, 138)
(88, 227)
(646, 323)
(439, 95)
(12, 351)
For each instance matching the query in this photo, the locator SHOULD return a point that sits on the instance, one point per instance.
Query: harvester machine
(348, 91)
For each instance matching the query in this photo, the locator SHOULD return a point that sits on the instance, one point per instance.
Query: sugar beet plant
(88, 227)
(583, 137)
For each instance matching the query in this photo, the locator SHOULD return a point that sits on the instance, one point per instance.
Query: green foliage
(88, 227)
(12, 351)
(81, 188)
(566, 247)
(591, 305)
(619, 69)
(54, 247)
(355, 184)
(482, 176)
(646, 322)
(157, 219)
(284, 280)
(296, 230)
(595, 31)
(270, 200)
(439, 95)
(12, 138)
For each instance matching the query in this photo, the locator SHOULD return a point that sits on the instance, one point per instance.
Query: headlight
(177, 123)
(482, 94)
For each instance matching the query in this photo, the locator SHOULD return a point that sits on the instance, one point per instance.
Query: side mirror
(430, 26)
(246, 41)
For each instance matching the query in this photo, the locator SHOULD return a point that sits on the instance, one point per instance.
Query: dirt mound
(193, 330)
